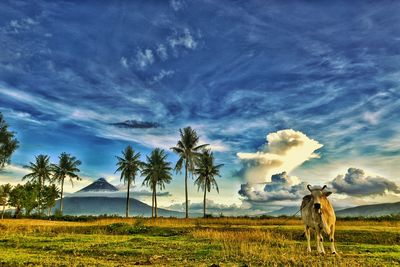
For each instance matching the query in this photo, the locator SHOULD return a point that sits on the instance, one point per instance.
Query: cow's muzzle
(317, 206)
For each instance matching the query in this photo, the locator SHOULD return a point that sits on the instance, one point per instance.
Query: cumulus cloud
(356, 183)
(144, 58)
(285, 150)
(211, 206)
(282, 187)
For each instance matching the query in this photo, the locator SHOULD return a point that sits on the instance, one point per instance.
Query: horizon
(284, 99)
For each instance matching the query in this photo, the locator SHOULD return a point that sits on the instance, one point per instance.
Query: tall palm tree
(129, 164)
(157, 173)
(41, 171)
(206, 171)
(188, 151)
(4, 195)
(67, 167)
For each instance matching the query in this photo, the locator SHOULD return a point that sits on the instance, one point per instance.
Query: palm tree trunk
(40, 197)
(155, 202)
(127, 199)
(204, 203)
(2, 213)
(152, 203)
(186, 190)
(62, 194)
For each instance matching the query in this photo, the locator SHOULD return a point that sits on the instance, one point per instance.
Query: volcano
(100, 185)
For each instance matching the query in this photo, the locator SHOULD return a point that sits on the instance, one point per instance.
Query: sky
(287, 93)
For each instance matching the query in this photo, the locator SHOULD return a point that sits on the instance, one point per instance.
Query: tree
(4, 196)
(8, 143)
(50, 195)
(157, 173)
(188, 151)
(67, 167)
(29, 197)
(16, 199)
(129, 164)
(206, 172)
(41, 171)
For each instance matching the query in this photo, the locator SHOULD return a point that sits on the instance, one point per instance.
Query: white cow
(318, 214)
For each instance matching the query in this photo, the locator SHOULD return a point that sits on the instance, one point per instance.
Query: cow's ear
(327, 194)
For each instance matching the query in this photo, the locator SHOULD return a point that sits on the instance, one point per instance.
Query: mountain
(370, 210)
(101, 197)
(97, 205)
(100, 185)
(289, 211)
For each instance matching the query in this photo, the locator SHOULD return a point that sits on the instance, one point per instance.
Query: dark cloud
(134, 124)
(281, 188)
(356, 183)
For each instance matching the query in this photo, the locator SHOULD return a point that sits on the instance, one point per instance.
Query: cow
(317, 214)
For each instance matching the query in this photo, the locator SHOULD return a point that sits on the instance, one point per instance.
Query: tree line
(46, 180)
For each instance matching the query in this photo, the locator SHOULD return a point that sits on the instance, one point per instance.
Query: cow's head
(317, 193)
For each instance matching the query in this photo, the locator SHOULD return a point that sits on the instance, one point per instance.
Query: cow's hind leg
(308, 235)
(332, 239)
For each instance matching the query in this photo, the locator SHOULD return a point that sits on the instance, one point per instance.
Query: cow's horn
(309, 187)
(323, 187)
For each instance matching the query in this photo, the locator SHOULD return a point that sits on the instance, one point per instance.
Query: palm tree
(67, 167)
(206, 171)
(129, 164)
(4, 195)
(188, 151)
(157, 172)
(41, 172)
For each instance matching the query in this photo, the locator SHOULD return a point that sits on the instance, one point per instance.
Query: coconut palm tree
(41, 171)
(4, 195)
(8, 143)
(206, 172)
(129, 164)
(188, 151)
(67, 167)
(157, 173)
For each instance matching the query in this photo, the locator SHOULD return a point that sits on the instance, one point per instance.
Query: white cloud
(162, 52)
(124, 62)
(144, 58)
(176, 4)
(285, 150)
(162, 75)
(184, 40)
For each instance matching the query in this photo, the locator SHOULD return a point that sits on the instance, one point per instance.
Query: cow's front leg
(321, 239)
(308, 235)
(320, 248)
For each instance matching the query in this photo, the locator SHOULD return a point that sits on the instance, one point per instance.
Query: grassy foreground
(192, 242)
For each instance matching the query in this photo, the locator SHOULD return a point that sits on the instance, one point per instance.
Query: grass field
(192, 242)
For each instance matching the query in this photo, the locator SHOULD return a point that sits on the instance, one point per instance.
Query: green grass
(189, 243)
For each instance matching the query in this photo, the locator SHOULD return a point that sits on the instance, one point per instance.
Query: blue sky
(235, 71)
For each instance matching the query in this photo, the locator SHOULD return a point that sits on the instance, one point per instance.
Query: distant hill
(111, 206)
(101, 197)
(289, 211)
(370, 210)
(100, 185)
